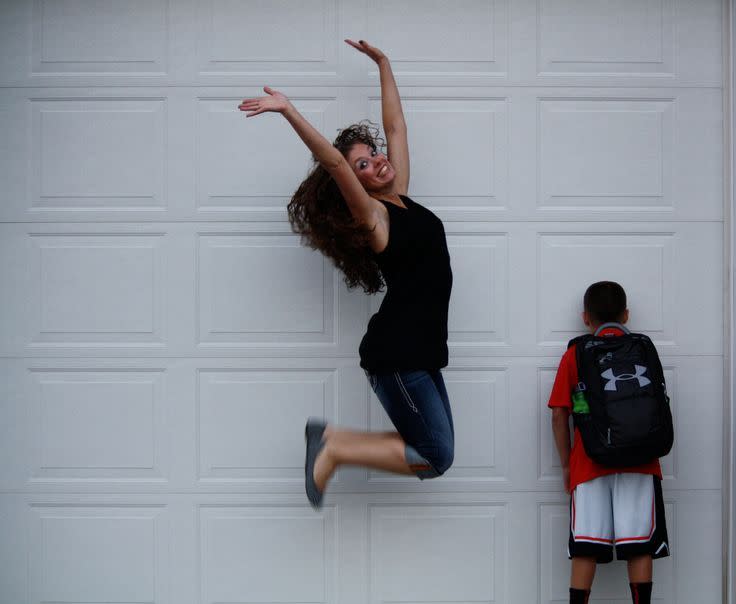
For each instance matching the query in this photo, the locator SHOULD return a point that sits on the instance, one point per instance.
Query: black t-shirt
(409, 331)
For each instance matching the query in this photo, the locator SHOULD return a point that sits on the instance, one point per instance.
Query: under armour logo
(613, 379)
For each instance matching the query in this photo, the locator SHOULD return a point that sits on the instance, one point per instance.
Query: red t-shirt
(582, 467)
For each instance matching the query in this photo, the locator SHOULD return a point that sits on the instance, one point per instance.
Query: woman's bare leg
(378, 450)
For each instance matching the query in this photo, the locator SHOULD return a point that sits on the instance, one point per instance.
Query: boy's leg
(641, 530)
(591, 534)
(640, 569)
(581, 579)
(583, 572)
(638, 517)
(640, 578)
(579, 596)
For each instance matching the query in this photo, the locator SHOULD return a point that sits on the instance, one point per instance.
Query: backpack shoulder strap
(641, 336)
(654, 362)
(578, 344)
(578, 340)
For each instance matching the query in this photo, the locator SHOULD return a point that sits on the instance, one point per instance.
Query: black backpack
(629, 422)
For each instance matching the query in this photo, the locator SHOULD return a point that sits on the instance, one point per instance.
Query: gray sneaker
(313, 432)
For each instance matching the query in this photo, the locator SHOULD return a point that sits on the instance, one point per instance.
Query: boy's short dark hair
(605, 302)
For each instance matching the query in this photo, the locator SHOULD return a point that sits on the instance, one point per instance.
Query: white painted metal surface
(163, 335)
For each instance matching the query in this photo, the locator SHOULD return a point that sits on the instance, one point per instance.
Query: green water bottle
(579, 403)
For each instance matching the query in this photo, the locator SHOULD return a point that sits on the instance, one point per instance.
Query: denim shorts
(416, 402)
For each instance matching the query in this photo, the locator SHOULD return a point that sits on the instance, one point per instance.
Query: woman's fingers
(361, 45)
(251, 106)
(366, 49)
(268, 90)
(275, 101)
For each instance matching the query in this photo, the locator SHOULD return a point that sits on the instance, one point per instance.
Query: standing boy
(611, 507)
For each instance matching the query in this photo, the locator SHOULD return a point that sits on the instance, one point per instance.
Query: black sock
(641, 593)
(579, 596)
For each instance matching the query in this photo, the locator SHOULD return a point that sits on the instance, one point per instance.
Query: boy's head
(604, 302)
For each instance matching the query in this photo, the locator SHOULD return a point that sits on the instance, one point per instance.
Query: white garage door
(164, 335)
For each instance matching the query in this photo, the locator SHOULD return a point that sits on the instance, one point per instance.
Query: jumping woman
(353, 208)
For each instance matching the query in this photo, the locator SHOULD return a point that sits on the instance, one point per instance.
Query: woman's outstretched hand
(363, 46)
(275, 101)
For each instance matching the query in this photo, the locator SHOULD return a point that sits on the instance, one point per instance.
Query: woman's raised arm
(392, 115)
(361, 205)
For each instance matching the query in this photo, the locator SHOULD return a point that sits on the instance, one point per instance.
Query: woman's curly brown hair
(319, 213)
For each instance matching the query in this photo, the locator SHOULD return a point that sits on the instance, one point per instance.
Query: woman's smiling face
(371, 167)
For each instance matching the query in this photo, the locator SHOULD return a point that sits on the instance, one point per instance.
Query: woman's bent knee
(430, 462)
(443, 459)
